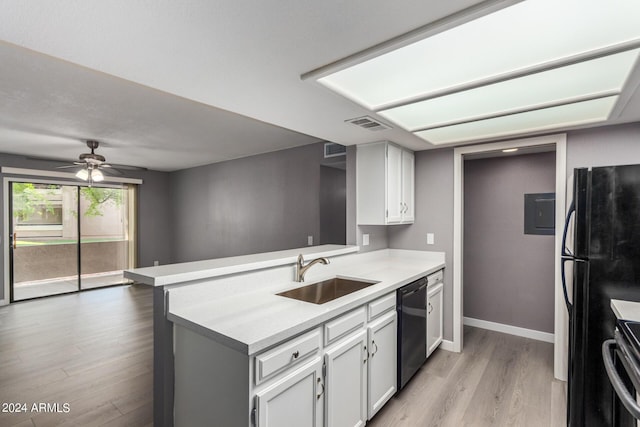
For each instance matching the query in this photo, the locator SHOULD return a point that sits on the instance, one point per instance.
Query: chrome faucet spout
(301, 268)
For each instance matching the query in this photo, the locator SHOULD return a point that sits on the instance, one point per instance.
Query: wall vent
(369, 123)
(331, 149)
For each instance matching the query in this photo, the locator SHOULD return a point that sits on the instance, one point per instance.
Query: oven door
(623, 370)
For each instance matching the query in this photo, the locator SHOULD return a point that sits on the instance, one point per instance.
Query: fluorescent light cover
(96, 175)
(527, 34)
(83, 174)
(546, 119)
(509, 150)
(602, 76)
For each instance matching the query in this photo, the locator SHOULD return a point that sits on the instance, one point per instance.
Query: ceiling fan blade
(77, 163)
(128, 167)
(67, 167)
(44, 159)
(111, 171)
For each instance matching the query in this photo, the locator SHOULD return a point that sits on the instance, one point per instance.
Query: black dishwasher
(412, 329)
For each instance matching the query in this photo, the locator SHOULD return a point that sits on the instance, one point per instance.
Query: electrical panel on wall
(540, 213)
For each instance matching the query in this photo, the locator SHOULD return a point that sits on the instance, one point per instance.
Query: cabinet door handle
(373, 353)
(322, 392)
(366, 355)
(296, 354)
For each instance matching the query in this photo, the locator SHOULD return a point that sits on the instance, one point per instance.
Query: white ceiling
(161, 78)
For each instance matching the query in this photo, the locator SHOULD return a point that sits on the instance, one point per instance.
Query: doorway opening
(333, 204)
(508, 276)
(68, 238)
(560, 316)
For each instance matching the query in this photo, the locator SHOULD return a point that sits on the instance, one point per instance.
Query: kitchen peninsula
(237, 343)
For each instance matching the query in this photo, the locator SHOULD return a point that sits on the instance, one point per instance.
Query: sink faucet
(301, 268)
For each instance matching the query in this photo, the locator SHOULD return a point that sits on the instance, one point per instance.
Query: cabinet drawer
(343, 325)
(285, 355)
(434, 278)
(382, 305)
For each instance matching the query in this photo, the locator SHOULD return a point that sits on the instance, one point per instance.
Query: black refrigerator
(605, 259)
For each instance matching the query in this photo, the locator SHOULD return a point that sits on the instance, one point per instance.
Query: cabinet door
(434, 317)
(408, 187)
(383, 368)
(394, 184)
(346, 382)
(295, 400)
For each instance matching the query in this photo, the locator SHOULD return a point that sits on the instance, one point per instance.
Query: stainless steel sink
(327, 290)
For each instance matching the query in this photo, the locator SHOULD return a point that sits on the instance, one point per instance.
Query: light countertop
(243, 312)
(170, 274)
(627, 310)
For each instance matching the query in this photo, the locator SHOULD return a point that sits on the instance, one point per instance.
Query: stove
(631, 333)
(621, 357)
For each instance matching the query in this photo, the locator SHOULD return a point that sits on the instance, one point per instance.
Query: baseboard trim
(448, 346)
(508, 329)
(4, 302)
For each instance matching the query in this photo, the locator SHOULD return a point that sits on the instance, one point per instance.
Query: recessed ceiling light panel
(590, 79)
(520, 37)
(575, 114)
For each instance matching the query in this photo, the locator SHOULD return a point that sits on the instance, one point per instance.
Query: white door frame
(560, 315)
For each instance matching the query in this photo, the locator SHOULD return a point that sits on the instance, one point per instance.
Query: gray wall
(333, 205)
(508, 275)
(255, 204)
(154, 221)
(352, 228)
(605, 146)
(153, 216)
(434, 214)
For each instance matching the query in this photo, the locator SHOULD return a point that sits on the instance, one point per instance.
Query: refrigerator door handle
(564, 285)
(572, 210)
(566, 256)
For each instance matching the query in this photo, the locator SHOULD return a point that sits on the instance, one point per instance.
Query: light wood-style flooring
(91, 350)
(498, 380)
(94, 351)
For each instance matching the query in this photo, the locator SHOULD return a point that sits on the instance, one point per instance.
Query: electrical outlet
(430, 239)
(309, 240)
(365, 240)
(156, 263)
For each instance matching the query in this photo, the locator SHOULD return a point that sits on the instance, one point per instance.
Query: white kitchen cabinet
(346, 382)
(295, 400)
(408, 187)
(385, 184)
(382, 375)
(434, 316)
(336, 374)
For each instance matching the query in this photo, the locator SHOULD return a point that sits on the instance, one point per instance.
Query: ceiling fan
(93, 165)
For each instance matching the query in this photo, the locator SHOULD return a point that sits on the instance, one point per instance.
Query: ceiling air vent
(331, 149)
(369, 123)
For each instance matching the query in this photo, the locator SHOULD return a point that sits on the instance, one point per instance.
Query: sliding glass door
(44, 239)
(104, 237)
(67, 238)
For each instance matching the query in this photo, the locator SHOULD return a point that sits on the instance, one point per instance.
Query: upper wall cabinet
(385, 184)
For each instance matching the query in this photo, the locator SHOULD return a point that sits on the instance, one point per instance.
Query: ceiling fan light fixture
(97, 176)
(83, 174)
